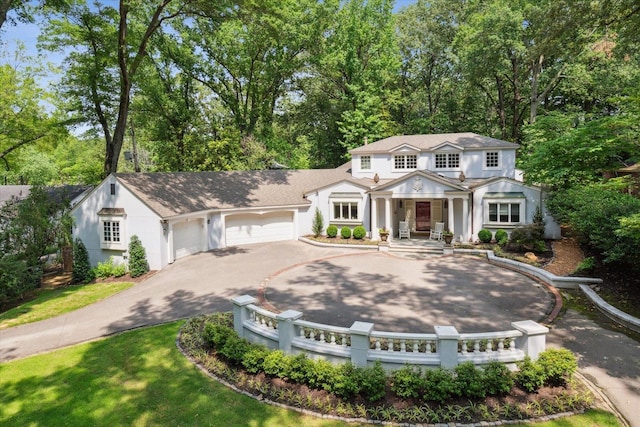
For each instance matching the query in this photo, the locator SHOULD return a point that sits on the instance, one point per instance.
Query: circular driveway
(407, 295)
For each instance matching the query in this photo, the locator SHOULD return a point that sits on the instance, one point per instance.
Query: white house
(466, 180)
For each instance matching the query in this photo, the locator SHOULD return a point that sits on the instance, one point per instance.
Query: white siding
(139, 220)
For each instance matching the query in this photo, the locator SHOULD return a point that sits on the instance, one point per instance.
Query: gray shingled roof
(466, 140)
(177, 193)
(8, 192)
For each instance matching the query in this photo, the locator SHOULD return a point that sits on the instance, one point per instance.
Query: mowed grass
(54, 302)
(139, 378)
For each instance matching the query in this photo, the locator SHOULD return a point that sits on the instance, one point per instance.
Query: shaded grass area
(54, 302)
(139, 378)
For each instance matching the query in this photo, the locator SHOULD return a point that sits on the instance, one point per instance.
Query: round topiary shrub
(485, 235)
(501, 237)
(332, 231)
(345, 232)
(359, 232)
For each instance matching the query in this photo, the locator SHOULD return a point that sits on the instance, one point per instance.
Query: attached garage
(187, 238)
(242, 229)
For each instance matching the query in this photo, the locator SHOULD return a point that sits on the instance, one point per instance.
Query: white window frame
(521, 202)
(110, 244)
(342, 199)
(449, 160)
(365, 163)
(404, 160)
(498, 160)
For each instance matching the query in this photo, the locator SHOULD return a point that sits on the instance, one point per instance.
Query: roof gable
(431, 176)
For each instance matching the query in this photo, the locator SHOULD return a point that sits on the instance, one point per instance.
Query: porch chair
(436, 233)
(403, 230)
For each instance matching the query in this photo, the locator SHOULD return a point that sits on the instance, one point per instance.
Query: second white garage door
(243, 229)
(187, 238)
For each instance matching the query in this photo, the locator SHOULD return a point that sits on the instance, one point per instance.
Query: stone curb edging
(338, 245)
(366, 420)
(613, 313)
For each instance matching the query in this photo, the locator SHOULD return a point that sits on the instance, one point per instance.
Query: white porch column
(387, 216)
(374, 219)
(450, 220)
(465, 219)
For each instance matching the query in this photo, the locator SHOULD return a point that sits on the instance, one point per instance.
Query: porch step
(424, 249)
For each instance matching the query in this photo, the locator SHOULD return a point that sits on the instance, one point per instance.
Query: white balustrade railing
(263, 318)
(319, 332)
(403, 342)
(361, 344)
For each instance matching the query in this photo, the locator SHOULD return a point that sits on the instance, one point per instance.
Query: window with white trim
(405, 161)
(365, 162)
(505, 209)
(504, 212)
(345, 211)
(447, 160)
(492, 159)
(111, 223)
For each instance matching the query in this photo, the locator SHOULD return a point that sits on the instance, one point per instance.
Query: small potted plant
(447, 235)
(384, 234)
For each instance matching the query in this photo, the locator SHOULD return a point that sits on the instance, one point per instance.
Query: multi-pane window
(492, 159)
(447, 160)
(405, 161)
(504, 212)
(345, 210)
(111, 231)
(365, 162)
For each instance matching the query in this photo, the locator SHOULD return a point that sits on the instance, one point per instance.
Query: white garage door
(243, 229)
(187, 238)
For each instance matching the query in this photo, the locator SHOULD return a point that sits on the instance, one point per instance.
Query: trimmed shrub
(119, 270)
(346, 383)
(332, 231)
(321, 373)
(216, 335)
(497, 379)
(469, 381)
(298, 367)
(372, 381)
(276, 364)
(253, 359)
(439, 385)
(235, 348)
(81, 266)
(502, 237)
(558, 364)
(359, 232)
(407, 382)
(345, 232)
(318, 223)
(138, 264)
(530, 237)
(530, 376)
(485, 235)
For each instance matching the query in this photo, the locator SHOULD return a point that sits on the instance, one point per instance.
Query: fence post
(533, 340)
(240, 312)
(360, 342)
(286, 329)
(447, 346)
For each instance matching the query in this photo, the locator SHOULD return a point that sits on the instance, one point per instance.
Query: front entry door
(423, 216)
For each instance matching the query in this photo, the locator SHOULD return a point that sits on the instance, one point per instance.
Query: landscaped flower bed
(409, 395)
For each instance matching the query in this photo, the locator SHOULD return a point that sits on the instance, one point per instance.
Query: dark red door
(423, 216)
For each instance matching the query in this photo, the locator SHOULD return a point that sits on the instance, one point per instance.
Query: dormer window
(405, 161)
(492, 160)
(365, 163)
(447, 160)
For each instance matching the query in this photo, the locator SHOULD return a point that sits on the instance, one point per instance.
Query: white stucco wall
(139, 220)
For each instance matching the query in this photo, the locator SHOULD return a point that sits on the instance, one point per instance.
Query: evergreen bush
(407, 382)
(345, 232)
(359, 232)
(138, 264)
(469, 381)
(501, 237)
(530, 376)
(332, 231)
(558, 364)
(485, 235)
(497, 379)
(318, 223)
(82, 271)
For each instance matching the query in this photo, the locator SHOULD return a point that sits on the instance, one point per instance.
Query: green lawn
(139, 378)
(54, 302)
